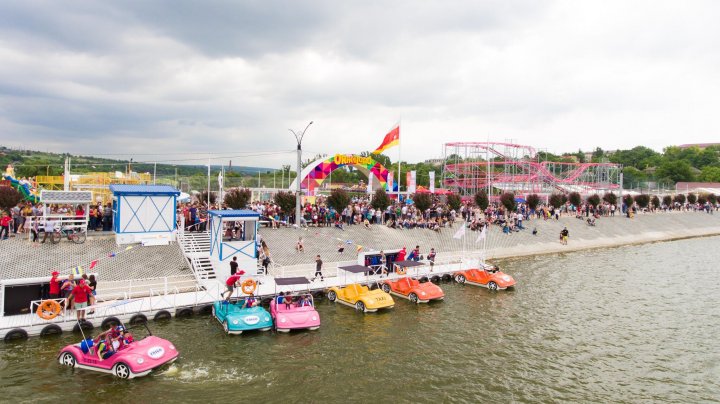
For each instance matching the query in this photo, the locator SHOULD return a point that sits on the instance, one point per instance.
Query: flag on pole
(370, 182)
(482, 234)
(390, 184)
(390, 140)
(93, 264)
(431, 174)
(460, 233)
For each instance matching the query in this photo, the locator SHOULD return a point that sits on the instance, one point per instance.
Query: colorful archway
(316, 172)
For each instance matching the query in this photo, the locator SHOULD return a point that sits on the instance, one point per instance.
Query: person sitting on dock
(431, 257)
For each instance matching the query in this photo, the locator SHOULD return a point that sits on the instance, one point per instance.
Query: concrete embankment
(608, 232)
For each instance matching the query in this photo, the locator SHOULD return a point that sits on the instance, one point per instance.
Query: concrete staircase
(196, 248)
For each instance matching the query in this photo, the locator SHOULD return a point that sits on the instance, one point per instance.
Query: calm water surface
(630, 324)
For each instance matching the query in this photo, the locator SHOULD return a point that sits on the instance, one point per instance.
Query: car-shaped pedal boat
(413, 290)
(131, 360)
(235, 319)
(489, 277)
(361, 297)
(300, 314)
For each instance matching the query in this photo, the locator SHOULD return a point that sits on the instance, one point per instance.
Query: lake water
(629, 324)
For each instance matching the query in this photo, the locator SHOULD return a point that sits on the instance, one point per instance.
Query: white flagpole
(399, 179)
(487, 222)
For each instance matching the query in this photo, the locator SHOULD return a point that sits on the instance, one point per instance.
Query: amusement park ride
(474, 166)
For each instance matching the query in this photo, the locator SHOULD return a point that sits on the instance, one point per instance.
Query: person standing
(564, 234)
(232, 282)
(54, 287)
(80, 297)
(5, 226)
(431, 258)
(233, 266)
(318, 269)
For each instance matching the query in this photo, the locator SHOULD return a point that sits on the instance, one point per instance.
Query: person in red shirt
(231, 283)
(401, 254)
(54, 290)
(5, 225)
(80, 296)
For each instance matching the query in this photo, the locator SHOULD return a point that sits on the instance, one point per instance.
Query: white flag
(370, 183)
(482, 234)
(390, 182)
(460, 233)
(431, 174)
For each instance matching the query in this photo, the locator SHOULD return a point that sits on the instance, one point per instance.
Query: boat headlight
(283, 319)
(423, 293)
(267, 318)
(172, 347)
(314, 318)
(235, 322)
(140, 361)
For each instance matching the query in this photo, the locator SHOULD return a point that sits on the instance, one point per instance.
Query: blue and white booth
(233, 233)
(144, 213)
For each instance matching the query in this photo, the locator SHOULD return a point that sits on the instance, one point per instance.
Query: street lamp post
(299, 138)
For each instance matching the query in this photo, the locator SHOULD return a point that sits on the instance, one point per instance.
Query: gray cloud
(181, 76)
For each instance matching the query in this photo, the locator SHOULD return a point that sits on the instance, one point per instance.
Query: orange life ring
(248, 286)
(400, 270)
(48, 309)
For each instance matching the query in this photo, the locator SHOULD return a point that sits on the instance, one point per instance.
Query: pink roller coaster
(473, 166)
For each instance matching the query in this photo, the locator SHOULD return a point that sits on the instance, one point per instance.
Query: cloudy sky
(230, 77)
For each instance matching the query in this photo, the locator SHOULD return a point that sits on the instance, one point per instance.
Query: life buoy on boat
(248, 286)
(48, 309)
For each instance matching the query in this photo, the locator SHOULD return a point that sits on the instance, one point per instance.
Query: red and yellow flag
(390, 140)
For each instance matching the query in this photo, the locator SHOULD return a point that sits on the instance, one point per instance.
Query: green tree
(702, 199)
(508, 200)
(628, 200)
(557, 200)
(9, 197)
(610, 198)
(454, 201)
(380, 200)
(594, 200)
(575, 199)
(533, 200)
(667, 200)
(481, 200)
(655, 201)
(675, 171)
(680, 198)
(286, 201)
(338, 199)
(202, 197)
(237, 198)
(712, 198)
(710, 174)
(632, 177)
(692, 198)
(643, 200)
(422, 201)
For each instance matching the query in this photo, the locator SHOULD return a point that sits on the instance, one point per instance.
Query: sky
(174, 80)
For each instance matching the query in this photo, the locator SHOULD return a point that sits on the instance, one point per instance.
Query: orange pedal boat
(489, 277)
(413, 290)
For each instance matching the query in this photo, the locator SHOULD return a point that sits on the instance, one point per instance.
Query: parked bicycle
(75, 235)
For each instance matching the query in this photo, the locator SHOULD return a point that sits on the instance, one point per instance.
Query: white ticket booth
(233, 233)
(144, 213)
